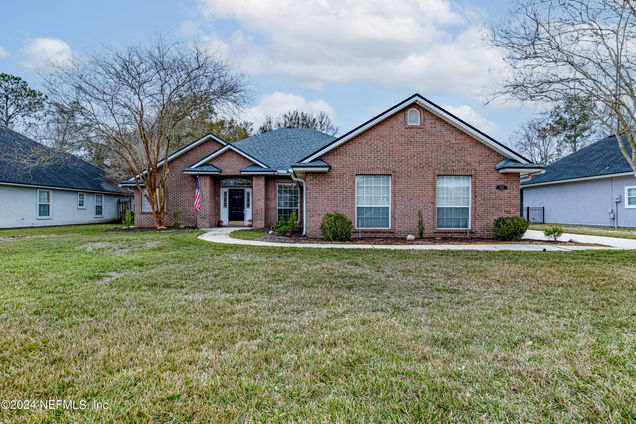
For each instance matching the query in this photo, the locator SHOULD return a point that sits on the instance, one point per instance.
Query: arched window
(236, 182)
(413, 117)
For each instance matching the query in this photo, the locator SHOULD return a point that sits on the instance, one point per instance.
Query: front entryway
(236, 206)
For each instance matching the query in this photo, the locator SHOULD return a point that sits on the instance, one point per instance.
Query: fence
(534, 214)
(122, 207)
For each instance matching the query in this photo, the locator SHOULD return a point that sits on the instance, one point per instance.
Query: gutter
(302, 182)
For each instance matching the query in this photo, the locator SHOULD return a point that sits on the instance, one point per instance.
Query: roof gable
(435, 110)
(24, 161)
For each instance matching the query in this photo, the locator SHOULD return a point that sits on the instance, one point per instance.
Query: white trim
(297, 206)
(225, 149)
(573, 180)
(419, 117)
(522, 171)
(258, 172)
(102, 205)
(437, 111)
(83, 200)
(355, 201)
(627, 205)
(44, 187)
(37, 204)
(470, 202)
(311, 169)
(178, 153)
(201, 172)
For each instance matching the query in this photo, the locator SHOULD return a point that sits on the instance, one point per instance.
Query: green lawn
(246, 234)
(167, 328)
(629, 233)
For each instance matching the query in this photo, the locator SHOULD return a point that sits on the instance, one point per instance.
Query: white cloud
(277, 103)
(3, 52)
(47, 53)
(424, 45)
(469, 115)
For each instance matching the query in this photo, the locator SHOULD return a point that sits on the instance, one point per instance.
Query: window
(44, 204)
(247, 199)
(287, 200)
(453, 202)
(225, 198)
(630, 197)
(99, 204)
(413, 117)
(373, 201)
(81, 200)
(236, 182)
(145, 204)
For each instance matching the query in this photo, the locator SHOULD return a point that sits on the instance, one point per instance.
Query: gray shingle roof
(281, 148)
(25, 161)
(601, 158)
(509, 163)
(203, 168)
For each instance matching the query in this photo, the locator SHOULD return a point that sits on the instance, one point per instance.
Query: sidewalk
(222, 235)
(614, 242)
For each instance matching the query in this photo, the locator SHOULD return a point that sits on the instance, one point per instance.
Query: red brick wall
(414, 157)
(181, 188)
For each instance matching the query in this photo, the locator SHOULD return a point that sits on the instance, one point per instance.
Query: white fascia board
(79, 190)
(225, 149)
(201, 172)
(523, 171)
(437, 111)
(574, 180)
(310, 169)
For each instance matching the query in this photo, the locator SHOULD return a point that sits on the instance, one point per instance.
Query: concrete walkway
(614, 242)
(222, 235)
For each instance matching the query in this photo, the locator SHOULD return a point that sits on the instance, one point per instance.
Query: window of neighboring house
(99, 205)
(630, 197)
(287, 200)
(453, 202)
(81, 200)
(413, 117)
(373, 201)
(44, 203)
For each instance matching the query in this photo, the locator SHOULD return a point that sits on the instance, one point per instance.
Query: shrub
(336, 227)
(128, 219)
(283, 227)
(510, 227)
(420, 223)
(176, 217)
(553, 232)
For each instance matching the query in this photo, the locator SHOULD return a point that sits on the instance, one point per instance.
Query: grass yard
(167, 328)
(246, 234)
(629, 233)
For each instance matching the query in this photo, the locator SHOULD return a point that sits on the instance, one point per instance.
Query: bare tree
(299, 119)
(135, 101)
(538, 140)
(19, 103)
(578, 50)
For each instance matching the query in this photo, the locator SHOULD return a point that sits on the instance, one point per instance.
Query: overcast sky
(349, 58)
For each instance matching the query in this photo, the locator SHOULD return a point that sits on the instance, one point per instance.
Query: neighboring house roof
(598, 160)
(26, 162)
(434, 109)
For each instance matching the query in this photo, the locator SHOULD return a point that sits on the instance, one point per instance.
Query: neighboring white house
(41, 188)
(593, 186)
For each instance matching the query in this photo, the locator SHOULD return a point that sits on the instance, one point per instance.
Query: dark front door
(237, 204)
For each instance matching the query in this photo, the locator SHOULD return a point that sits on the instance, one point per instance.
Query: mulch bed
(145, 230)
(297, 238)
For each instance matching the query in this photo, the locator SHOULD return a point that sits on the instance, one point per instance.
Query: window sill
(374, 230)
(81, 208)
(452, 230)
(44, 217)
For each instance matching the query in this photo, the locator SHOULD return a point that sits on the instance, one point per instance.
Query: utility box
(617, 198)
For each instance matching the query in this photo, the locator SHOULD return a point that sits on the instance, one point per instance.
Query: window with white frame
(145, 204)
(81, 200)
(373, 201)
(287, 200)
(44, 203)
(413, 116)
(630, 197)
(453, 202)
(99, 205)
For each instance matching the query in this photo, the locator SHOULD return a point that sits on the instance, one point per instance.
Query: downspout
(301, 182)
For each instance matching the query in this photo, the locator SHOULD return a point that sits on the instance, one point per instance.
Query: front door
(237, 204)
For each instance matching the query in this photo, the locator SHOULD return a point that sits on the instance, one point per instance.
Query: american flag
(197, 197)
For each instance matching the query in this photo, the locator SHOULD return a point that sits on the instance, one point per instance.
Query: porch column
(258, 201)
(204, 215)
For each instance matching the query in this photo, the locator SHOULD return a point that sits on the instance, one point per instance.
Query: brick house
(414, 156)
